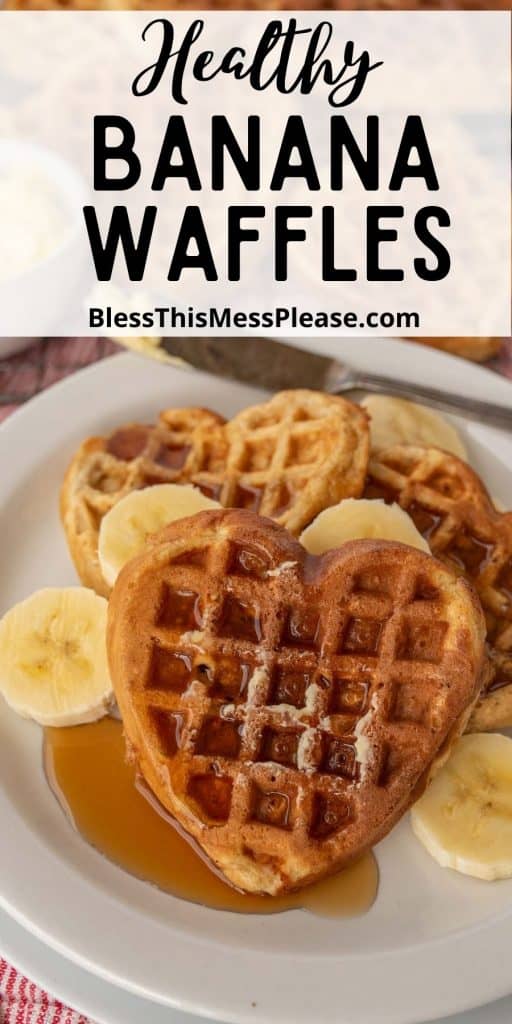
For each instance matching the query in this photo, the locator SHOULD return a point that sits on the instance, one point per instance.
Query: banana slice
(126, 528)
(354, 519)
(396, 421)
(464, 819)
(53, 657)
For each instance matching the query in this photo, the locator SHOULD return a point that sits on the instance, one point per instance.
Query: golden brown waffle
(164, 5)
(452, 509)
(288, 458)
(287, 709)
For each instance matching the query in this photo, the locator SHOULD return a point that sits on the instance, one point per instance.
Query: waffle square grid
(259, 704)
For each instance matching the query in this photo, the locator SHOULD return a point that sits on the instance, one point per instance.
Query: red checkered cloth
(45, 362)
(22, 1002)
(503, 363)
(21, 377)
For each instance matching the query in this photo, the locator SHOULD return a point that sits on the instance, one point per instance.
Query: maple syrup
(86, 769)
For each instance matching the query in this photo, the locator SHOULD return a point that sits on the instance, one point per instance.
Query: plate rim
(31, 958)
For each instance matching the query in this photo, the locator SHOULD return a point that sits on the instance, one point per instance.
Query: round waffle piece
(287, 709)
(452, 509)
(288, 458)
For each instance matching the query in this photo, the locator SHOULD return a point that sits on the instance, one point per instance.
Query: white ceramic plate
(109, 1004)
(433, 943)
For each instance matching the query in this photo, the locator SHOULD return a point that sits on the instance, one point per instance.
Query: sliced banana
(464, 819)
(53, 657)
(397, 421)
(354, 519)
(126, 528)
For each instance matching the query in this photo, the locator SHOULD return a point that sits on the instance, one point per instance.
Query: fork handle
(471, 408)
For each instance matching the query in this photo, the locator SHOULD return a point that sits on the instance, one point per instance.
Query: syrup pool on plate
(97, 789)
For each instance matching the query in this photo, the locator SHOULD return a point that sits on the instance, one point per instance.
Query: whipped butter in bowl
(41, 242)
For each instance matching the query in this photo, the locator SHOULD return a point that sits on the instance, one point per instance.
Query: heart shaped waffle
(452, 509)
(288, 458)
(287, 709)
